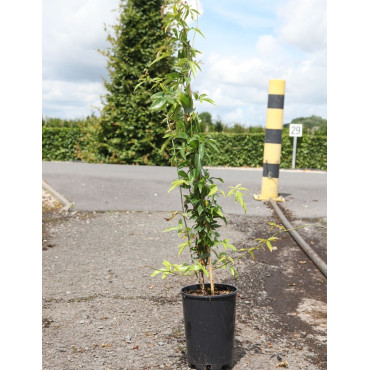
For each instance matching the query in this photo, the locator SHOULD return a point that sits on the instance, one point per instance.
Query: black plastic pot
(209, 327)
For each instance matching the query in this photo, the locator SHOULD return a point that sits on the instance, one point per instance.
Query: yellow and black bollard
(272, 148)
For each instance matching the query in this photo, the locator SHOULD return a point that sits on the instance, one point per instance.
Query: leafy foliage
(235, 150)
(238, 150)
(59, 143)
(129, 132)
(313, 124)
(189, 149)
(67, 122)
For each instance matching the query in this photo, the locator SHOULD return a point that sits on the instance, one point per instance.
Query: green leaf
(178, 268)
(232, 247)
(193, 66)
(186, 102)
(208, 100)
(218, 212)
(165, 144)
(213, 145)
(157, 104)
(156, 272)
(159, 58)
(182, 246)
(213, 190)
(183, 174)
(197, 30)
(171, 228)
(201, 267)
(222, 192)
(182, 153)
(198, 165)
(201, 151)
(177, 183)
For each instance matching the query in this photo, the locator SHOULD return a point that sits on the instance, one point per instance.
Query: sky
(246, 44)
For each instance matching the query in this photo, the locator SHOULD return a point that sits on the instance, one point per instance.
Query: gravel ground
(102, 310)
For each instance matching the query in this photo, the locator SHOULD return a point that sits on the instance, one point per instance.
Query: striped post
(272, 148)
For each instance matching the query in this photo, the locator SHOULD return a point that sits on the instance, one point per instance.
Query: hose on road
(321, 265)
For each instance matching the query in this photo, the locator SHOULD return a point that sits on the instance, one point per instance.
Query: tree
(206, 122)
(128, 131)
(236, 129)
(219, 127)
(313, 124)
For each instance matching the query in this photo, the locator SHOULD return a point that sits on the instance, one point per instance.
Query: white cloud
(296, 52)
(268, 46)
(71, 98)
(303, 24)
(72, 33)
(236, 115)
(237, 80)
(72, 67)
(242, 82)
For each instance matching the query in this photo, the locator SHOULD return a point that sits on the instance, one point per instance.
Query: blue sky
(247, 43)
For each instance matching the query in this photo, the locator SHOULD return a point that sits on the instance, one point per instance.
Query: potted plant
(209, 308)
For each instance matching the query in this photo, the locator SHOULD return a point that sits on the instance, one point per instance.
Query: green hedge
(247, 150)
(236, 150)
(60, 143)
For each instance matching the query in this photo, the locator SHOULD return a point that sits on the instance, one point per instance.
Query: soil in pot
(219, 290)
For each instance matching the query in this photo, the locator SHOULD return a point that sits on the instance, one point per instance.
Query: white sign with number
(295, 129)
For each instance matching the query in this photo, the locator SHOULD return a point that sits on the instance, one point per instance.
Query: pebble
(154, 321)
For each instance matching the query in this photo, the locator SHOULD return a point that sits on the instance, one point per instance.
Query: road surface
(108, 187)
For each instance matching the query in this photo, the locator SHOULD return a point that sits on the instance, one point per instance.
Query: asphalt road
(107, 187)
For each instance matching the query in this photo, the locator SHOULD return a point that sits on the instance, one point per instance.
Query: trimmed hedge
(60, 143)
(247, 150)
(236, 150)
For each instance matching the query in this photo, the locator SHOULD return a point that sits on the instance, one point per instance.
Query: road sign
(295, 129)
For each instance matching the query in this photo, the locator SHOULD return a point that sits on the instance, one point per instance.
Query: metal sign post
(295, 130)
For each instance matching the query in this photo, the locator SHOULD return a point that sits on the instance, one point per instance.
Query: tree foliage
(201, 213)
(128, 131)
(312, 124)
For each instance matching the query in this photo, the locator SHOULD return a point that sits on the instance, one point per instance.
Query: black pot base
(210, 367)
(209, 327)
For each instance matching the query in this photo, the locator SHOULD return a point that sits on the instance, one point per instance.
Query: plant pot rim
(197, 286)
